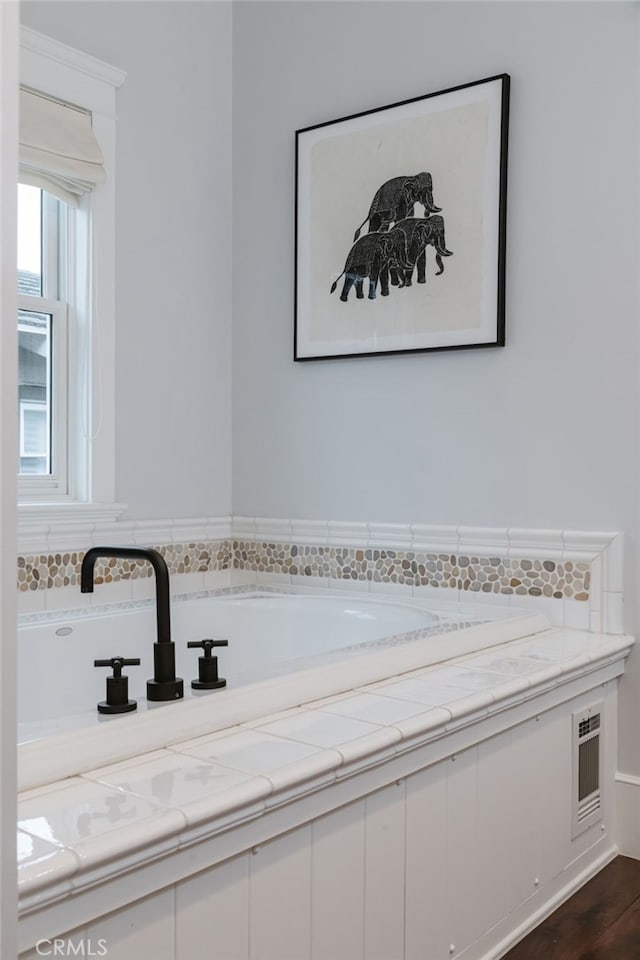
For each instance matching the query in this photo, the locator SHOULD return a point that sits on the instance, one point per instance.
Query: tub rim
(71, 753)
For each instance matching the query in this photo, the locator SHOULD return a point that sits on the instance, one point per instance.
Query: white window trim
(70, 75)
(58, 480)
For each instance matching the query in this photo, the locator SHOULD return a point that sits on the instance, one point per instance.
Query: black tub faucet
(165, 685)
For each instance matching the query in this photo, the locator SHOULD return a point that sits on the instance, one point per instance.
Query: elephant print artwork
(384, 254)
(395, 200)
(400, 222)
(372, 256)
(421, 233)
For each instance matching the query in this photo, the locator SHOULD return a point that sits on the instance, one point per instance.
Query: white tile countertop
(73, 831)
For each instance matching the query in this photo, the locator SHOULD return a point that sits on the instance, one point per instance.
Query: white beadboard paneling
(495, 809)
(554, 752)
(145, 930)
(585, 841)
(76, 944)
(212, 913)
(385, 869)
(337, 884)
(522, 838)
(426, 851)
(461, 874)
(280, 897)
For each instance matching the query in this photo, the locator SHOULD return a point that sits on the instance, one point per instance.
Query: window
(66, 301)
(43, 348)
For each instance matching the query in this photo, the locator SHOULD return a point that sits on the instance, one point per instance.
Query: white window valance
(58, 148)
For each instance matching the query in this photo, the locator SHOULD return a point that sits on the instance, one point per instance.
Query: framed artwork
(400, 226)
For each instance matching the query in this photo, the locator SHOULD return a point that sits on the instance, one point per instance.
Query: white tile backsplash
(483, 541)
(603, 552)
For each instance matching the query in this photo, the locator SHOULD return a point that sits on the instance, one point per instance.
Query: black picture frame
(386, 196)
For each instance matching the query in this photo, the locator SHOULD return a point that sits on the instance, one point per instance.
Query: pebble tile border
(47, 571)
(477, 574)
(504, 575)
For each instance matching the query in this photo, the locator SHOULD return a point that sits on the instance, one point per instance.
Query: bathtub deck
(225, 792)
(600, 922)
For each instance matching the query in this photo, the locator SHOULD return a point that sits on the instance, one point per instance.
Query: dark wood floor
(600, 922)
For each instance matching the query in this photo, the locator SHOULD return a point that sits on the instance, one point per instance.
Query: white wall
(173, 249)
(542, 433)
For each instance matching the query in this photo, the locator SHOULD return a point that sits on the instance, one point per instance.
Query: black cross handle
(208, 665)
(117, 685)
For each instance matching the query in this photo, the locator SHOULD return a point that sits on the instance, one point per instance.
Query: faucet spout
(164, 685)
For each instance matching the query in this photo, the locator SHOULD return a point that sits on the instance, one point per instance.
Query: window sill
(53, 525)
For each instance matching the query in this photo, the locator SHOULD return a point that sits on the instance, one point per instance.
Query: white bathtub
(283, 650)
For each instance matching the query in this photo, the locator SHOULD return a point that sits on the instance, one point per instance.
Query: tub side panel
(212, 911)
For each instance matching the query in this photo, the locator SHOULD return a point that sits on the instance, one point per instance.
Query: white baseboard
(627, 811)
(529, 915)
